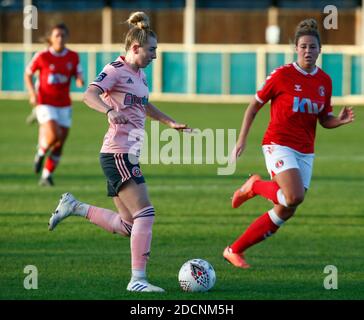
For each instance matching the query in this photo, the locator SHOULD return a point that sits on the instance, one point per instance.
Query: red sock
(260, 229)
(51, 163)
(267, 189)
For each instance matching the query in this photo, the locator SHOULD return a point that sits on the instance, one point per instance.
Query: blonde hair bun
(139, 19)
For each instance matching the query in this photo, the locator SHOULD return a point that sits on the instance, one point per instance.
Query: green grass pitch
(194, 218)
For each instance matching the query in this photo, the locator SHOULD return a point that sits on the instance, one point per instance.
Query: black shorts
(119, 168)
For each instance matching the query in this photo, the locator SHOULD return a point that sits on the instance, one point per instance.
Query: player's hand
(117, 117)
(346, 115)
(33, 99)
(79, 83)
(181, 127)
(237, 151)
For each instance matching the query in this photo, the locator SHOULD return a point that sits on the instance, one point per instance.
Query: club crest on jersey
(279, 164)
(69, 66)
(321, 91)
(51, 66)
(305, 105)
(136, 172)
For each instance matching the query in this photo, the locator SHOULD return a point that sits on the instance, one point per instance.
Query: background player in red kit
(56, 66)
(300, 94)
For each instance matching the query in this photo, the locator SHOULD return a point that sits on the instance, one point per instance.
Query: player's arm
(31, 68)
(345, 116)
(28, 77)
(79, 76)
(154, 113)
(248, 119)
(79, 80)
(93, 100)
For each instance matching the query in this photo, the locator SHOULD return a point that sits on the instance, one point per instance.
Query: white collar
(58, 54)
(299, 69)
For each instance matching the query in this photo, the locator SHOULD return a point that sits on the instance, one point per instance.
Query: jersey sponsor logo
(131, 99)
(116, 64)
(130, 81)
(100, 77)
(305, 105)
(57, 78)
(297, 87)
(321, 90)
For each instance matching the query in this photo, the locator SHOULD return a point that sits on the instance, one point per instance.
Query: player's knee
(293, 200)
(51, 139)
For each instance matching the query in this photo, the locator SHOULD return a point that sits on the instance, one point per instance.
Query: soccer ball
(196, 275)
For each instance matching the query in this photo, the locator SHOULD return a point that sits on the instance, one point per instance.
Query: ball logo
(322, 91)
(200, 275)
(279, 164)
(136, 172)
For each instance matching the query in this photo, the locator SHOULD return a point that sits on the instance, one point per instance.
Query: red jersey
(55, 72)
(298, 99)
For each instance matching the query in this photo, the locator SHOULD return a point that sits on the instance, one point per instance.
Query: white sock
(41, 152)
(45, 173)
(275, 219)
(138, 275)
(81, 209)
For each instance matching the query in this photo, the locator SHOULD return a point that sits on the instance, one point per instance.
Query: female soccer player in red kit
(300, 94)
(56, 66)
(121, 92)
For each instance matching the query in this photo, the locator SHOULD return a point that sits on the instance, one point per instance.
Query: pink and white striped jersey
(127, 91)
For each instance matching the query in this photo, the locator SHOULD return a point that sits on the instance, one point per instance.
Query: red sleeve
(269, 88)
(78, 69)
(34, 64)
(328, 110)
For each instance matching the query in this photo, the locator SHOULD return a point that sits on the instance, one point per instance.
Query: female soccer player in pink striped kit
(300, 94)
(121, 92)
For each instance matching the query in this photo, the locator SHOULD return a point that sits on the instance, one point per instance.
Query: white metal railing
(225, 50)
